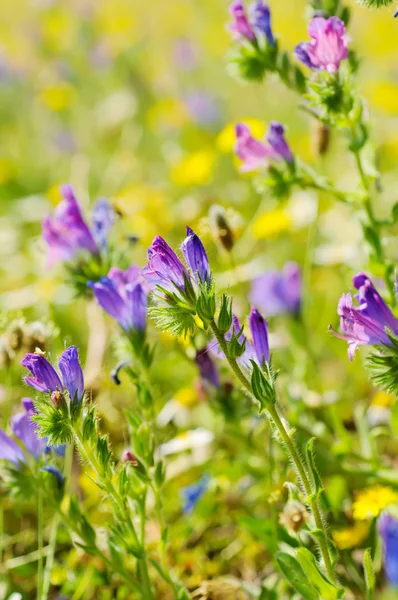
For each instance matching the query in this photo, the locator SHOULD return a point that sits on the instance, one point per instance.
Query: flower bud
(128, 457)
(294, 516)
(225, 316)
(57, 398)
(263, 391)
(206, 305)
(237, 345)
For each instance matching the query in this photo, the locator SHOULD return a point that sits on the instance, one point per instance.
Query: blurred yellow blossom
(349, 537)
(54, 194)
(384, 95)
(271, 224)
(115, 22)
(57, 96)
(6, 170)
(370, 502)
(194, 169)
(167, 113)
(383, 399)
(226, 138)
(187, 396)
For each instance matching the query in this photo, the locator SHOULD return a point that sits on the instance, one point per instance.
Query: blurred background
(132, 101)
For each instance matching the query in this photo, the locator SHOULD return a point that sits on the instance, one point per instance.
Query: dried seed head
(221, 229)
(320, 138)
(294, 516)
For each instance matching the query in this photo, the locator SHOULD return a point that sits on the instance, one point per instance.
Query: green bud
(89, 425)
(236, 348)
(144, 396)
(206, 303)
(263, 391)
(143, 443)
(160, 474)
(225, 316)
(103, 452)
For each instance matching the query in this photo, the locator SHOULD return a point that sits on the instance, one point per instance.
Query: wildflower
(261, 20)
(66, 232)
(259, 330)
(240, 25)
(196, 257)
(236, 334)
(278, 292)
(370, 502)
(255, 153)
(388, 528)
(128, 457)
(294, 516)
(327, 48)
(164, 267)
(122, 295)
(208, 370)
(366, 323)
(192, 493)
(24, 429)
(45, 378)
(350, 537)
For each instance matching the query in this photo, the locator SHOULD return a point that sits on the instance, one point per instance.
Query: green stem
(292, 452)
(106, 481)
(40, 535)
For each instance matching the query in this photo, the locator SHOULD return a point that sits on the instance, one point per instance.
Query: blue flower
(192, 493)
(388, 528)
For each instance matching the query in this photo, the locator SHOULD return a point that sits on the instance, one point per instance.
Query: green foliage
(295, 575)
(375, 3)
(263, 387)
(383, 366)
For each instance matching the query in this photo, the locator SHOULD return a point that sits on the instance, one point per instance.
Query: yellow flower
(370, 502)
(6, 170)
(58, 96)
(187, 396)
(383, 400)
(226, 138)
(349, 537)
(271, 224)
(194, 169)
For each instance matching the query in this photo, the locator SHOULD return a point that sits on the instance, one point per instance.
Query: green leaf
(311, 569)
(369, 574)
(295, 575)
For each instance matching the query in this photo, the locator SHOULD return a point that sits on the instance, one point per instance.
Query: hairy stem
(292, 452)
(40, 533)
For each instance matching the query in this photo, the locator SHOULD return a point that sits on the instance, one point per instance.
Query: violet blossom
(328, 47)
(278, 292)
(255, 153)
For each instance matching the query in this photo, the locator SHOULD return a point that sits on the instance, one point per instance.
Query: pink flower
(240, 25)
(327, 48)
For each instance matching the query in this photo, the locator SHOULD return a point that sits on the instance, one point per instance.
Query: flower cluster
(371, 322)
(254, 28)
(44, 378)
(67, 233)
(255, 153)
(328, 47)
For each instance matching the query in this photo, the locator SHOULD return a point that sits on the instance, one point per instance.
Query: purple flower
(196, 257)
(259, 330)
(24, 429)
(122, 295)
(276, 139)
(207, 368)
(72, 374)
(66, 233)
(388, 528)
(328, 47)
(191, 494)
(278, 292)
(254, 153)
(103, 218)
(261, 20)
(240, 25)
(366, 323)
(249, 353)
(202, 107)
(164, 267)
(46, 379)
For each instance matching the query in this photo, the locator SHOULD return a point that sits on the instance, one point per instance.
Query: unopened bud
(36, 335)
(222, 232)
(57, 398)
(294, 516)
(128, 457)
